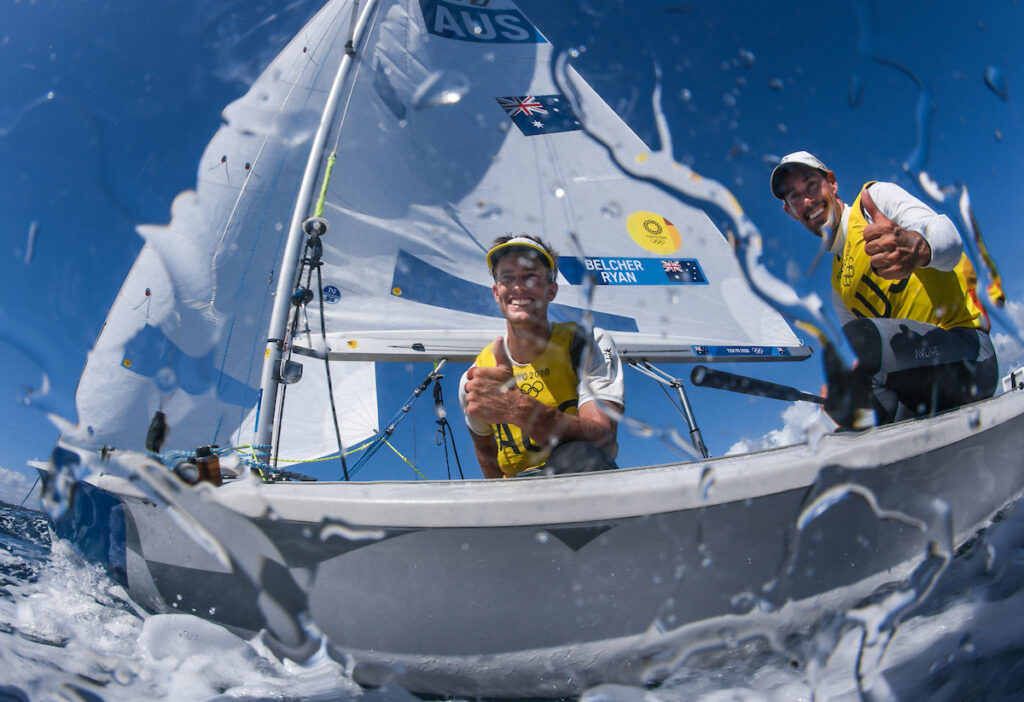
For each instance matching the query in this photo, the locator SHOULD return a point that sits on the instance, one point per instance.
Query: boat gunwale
(595, 497)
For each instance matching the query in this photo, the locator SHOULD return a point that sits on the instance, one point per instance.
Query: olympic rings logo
(533, 389)
(653, 227)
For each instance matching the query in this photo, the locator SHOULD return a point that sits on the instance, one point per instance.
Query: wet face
(522, 288)
(811, 198)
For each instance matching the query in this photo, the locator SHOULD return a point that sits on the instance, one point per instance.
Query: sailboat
(339, 222)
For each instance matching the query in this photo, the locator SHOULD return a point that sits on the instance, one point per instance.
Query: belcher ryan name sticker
(632, 271)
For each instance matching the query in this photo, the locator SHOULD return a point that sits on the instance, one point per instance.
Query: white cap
(797, 158)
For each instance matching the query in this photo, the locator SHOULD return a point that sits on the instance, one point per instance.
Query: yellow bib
(551, 379)
(936, 297)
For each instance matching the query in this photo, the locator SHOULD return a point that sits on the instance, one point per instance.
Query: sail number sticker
(632, 271)
(487, 21)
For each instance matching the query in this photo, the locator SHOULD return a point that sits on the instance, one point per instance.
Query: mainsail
(447, 129)
(453, 132)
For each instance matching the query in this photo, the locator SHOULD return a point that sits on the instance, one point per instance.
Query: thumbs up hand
(491, 393)
(501, 356)
(895, 252)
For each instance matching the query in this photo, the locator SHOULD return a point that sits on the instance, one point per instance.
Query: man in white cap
(903, 289)
(541, 398)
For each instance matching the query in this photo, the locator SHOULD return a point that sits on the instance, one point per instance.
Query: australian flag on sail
(540, 114)
(683, 271)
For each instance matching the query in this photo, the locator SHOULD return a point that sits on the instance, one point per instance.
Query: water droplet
(775, 84)
(743, 602)
(490, 211)
(541, 537)
(729, 99)
(166, 379)
(707, 479)
(998, 135)
(737, 149)
(746, 58)
(49, 95)
(123, 673)
(782, 128)
(856, 91)
(611, 209)
(559, 192)
(974, 419)
(349, 533)
(685, 95)
(966, 644)
(440, 88)
(995, 81)
(729, 637)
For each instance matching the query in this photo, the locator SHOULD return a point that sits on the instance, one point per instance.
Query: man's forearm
(486, 451)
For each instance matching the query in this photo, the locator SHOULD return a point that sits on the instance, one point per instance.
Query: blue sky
(107, 109)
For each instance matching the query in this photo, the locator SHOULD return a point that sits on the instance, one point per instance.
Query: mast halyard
(277, 343)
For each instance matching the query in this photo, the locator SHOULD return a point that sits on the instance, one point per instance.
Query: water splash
(996, 82)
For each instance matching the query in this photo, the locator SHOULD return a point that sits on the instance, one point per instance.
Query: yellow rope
(318, 211)
(399, 453)
(251, 451)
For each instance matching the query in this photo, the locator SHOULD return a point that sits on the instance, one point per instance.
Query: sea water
(69, 632)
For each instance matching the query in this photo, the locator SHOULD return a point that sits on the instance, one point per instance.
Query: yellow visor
(519, 242)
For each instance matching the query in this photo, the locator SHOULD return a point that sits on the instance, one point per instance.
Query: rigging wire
(297, 300)
(312, 260)
(444, 431)
(25, 498)
(327, 370)
(384, 434)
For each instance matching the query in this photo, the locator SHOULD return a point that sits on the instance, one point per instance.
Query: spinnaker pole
(277, 344)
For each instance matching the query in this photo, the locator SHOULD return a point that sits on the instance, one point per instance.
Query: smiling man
(540, 398)
(903, 289)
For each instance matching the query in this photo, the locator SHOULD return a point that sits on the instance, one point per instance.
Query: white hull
(545, 586)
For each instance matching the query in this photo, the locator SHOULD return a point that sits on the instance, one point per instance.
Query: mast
(276, 342)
